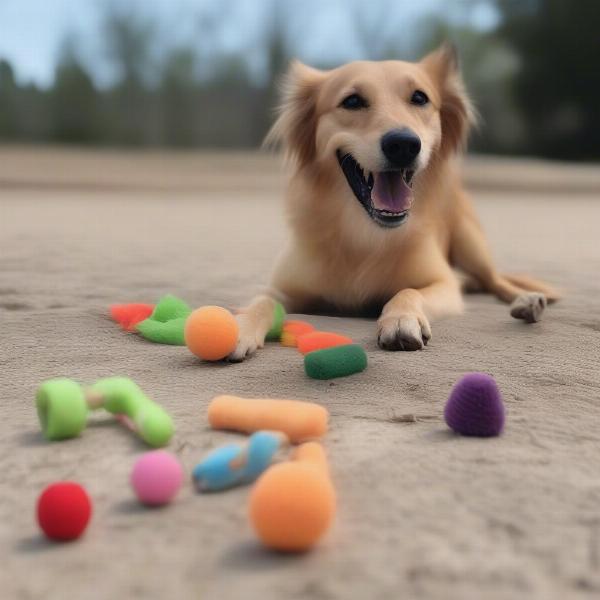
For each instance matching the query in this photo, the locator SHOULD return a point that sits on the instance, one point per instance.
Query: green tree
(9, 114)
(277, 58)
(132, 109)
(179, 99)
(74, 102)
(557, 87)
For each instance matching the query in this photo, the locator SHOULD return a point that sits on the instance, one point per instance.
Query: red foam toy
(292, 330)
(129, 315)
(64, 510)
(319, 340)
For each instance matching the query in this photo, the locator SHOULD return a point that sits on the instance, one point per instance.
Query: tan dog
(375, 205)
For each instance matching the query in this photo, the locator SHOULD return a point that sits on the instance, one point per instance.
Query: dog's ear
(456, 112)
(295, 127)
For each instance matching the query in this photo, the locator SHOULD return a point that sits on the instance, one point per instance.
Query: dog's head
(380, 123)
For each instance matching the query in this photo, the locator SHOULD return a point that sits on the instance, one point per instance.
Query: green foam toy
(123, 397)
(170, 307)
(338, 361)
(279, 315)
(63, 407)
(167, 322)
(170, 332)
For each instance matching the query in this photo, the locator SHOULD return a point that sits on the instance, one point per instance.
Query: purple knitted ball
(475, 406)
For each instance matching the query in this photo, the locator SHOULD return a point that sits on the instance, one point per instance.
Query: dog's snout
(401, 147)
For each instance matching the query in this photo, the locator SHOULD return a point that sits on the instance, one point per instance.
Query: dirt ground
(422, 514)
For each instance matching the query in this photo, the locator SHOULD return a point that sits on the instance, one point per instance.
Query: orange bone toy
(297, 419)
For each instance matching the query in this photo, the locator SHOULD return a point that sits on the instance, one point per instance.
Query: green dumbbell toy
(63, 407)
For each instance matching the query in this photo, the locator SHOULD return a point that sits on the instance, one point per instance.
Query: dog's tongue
(390, 192)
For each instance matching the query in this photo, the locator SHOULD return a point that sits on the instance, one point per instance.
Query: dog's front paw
(245, 348)
(249, 340)
(528, 307)
(408, 332)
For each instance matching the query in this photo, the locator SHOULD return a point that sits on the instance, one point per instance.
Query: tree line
(534, 79)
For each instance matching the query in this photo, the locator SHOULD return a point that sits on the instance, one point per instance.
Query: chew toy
(319, 340)
(298, 420)
(123, 397)
(277, 324)
(169, 332)
(129, 315)
(293, 504)
(236, 464)
(63, 407)
(338, 361)
(292, 330)
(475, 406)
(170, 307)
(156, 478)
(64, 510)
(211, 333)
(166, 323)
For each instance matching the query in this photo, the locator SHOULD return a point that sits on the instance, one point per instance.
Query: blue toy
(236, 464)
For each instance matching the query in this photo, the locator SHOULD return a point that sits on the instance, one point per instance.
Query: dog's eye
(419, 98)
(354, 102)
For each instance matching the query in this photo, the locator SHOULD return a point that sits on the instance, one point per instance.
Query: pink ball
(156, 477)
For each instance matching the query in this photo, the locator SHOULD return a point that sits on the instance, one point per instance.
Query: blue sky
(32, 31)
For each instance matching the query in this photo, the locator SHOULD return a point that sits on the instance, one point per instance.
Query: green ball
(338, 361)
(279, 315)
(62, 408)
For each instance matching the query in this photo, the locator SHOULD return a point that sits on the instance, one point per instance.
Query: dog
(376, 209)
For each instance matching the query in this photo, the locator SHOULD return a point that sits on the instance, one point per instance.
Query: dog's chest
(358, 282)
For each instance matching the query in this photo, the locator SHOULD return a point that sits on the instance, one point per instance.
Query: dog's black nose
(401, 147)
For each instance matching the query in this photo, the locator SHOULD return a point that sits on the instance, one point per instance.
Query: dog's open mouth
(385, 195)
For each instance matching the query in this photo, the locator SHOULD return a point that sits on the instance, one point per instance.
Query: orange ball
(292, 506)
(211, 332)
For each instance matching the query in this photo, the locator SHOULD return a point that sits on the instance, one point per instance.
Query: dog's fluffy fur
(338, 256)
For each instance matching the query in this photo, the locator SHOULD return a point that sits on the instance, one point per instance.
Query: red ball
(64, 510)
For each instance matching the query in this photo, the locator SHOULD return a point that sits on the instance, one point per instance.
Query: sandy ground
(422, 513)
